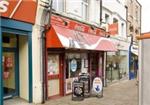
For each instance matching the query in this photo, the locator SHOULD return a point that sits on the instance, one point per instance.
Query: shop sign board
(97, 85)
(74, 25)
(113, 29)
(73, 65)
(19, 10)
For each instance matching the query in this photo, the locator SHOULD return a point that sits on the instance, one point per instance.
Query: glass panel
(58, 5)
(53, 87)
(53, 64)
(75, 67)
(9, 40)
(9, 73)
(84, 11)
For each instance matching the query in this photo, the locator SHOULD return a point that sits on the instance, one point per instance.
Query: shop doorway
(10, 73)
(10, 66)
(54, 83)
(94, 65)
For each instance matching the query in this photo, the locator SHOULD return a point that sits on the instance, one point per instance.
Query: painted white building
(144, 72)
(114, 12)
(87, 11)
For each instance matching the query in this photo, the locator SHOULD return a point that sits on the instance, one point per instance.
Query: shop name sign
(3, 6)
(113, 29)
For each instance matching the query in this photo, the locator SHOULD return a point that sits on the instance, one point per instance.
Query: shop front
(16, 51)
(73, 48)
(133, 66)
(117, 63)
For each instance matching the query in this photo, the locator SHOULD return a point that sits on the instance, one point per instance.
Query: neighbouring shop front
(133, 59)
(16, 51)
(117, 63)
(73, 48)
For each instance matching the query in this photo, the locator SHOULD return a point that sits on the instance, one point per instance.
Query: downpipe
(43, 48)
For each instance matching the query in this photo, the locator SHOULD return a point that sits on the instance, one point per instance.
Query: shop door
(10, 73)
(94, 65)
(54, 75)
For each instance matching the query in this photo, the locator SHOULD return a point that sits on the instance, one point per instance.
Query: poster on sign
(73, 65)
(97, 85)
(9, 61)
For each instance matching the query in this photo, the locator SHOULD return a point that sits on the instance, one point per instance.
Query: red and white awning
(60, 37)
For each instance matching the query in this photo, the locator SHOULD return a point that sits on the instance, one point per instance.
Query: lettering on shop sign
(3, 6)
(79, 28)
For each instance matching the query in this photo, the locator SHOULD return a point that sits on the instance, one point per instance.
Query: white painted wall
(116, 10)
(115, 6)
(94, 11)
(36, 57)
(144, 86)
(23, 67)
(140, 71)
(74, 8)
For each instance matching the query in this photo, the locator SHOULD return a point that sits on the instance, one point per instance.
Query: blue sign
(73, 65)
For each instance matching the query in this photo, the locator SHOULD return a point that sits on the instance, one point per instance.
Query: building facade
(144, 58)
(16, 49)
(115, 23)
(74, 44)
(45, 49)
(133, 29)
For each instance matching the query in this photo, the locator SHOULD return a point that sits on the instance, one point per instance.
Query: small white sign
(97, 85)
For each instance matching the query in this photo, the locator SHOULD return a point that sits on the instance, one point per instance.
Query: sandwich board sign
(97, 85)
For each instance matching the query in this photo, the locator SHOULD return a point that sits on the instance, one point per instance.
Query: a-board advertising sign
(78, 91)
(97, 85)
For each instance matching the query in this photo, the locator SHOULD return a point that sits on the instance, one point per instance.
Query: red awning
(61, 37)
(106, 45)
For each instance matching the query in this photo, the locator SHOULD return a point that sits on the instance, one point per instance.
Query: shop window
(85, 9)
(115, 20)
(122, 29)
(58, 5)
(53, 64)
(106, 18)
(73, 67)
(9, 40)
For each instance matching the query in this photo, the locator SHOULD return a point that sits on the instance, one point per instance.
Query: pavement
(120, 93)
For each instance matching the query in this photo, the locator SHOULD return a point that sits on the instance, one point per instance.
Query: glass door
(53, 75)
(9, 74)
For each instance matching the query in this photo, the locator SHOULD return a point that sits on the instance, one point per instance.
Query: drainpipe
(130, 57)
(48, 10)
(101, 6)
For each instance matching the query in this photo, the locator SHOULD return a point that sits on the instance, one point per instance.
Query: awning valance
(60, 37)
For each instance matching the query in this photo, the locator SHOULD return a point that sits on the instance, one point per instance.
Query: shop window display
(116, 65)
(75, 64)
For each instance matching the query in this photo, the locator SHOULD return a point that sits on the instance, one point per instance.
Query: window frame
(86, 5)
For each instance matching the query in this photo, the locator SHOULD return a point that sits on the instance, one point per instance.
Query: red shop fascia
(71, 48)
